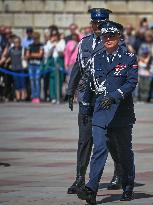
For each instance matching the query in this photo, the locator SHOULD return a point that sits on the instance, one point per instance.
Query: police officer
(88, 46)
(113, 77)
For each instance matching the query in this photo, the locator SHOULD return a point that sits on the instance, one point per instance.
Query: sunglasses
(109, 35)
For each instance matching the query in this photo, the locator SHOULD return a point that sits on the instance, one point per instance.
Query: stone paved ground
(40, 142)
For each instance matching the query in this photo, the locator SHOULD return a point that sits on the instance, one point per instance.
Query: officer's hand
(107, 102)
(70, 99)
(85, 119)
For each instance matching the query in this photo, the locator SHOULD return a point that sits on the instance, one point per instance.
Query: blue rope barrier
(9, 72)
(42, 72)
(23, 75)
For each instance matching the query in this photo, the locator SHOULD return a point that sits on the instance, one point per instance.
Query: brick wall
(41, 13)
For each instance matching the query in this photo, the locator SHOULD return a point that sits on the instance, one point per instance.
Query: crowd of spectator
(31, 70)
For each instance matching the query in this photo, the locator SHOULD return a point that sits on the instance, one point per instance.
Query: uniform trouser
(100, 153)
(121, 138)
(85, 143)
(113, 148)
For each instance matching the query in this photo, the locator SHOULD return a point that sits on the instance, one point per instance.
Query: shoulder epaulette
(90, 34)
(87, 36)
(129, 54)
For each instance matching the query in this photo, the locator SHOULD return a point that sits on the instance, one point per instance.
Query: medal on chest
(119, 68)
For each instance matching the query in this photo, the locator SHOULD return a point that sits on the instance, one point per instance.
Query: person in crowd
(8, 79)
(139, 39)
(53, 27)
(148, 42)
(129, 37)
(140, 34)
(46, 76)
(87, 31)
(15, 54)
(143, 24)
(28, 39)
(145, 62)
(3, 50)
(74, 29)
(34, 55)
(151, 27)
(56, 64)
(62, 35)
(70, 55)
(3, 41)
(145, 55)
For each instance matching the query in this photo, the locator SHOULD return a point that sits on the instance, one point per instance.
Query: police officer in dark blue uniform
(88, 46)
(113, 77)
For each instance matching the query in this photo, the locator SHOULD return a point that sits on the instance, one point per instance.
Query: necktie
(97, 41)
(110, 56)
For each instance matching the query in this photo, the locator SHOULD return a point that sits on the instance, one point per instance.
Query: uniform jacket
(81, 69)
(117, 79)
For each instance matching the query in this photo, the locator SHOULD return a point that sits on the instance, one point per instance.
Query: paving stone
(34, 5)
(54, 6)
(63, 20)
(96, 4)
(19, 32)
(75, 6)
(117, 6)
(82, 20)
(136, 6)
(126, 19)
(43, 20)
(1, 6)
(14, 5)
(23, 20)
(40, 143)
(6, 19)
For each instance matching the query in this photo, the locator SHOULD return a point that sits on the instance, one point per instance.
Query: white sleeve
(61, 46)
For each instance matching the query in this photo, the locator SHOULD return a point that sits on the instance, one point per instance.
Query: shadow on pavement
(4, 164)
(116, 197)
(105, 185)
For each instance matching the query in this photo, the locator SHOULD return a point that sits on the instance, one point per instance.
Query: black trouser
(9, 88)
(85, 143)
(1, 86)
(46, 86)
(121, 138)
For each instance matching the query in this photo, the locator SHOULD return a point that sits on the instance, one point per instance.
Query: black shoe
(80, 181)
(127, 196)
(116, 183)
(84, 193)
